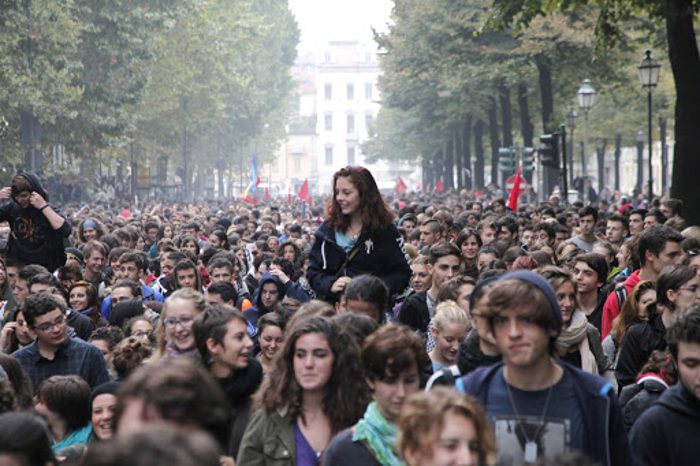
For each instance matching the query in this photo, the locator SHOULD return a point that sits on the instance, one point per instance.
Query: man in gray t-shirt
(587, 219)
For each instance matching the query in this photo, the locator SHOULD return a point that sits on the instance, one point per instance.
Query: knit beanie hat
(541, 284)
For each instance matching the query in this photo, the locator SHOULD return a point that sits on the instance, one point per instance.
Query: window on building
(328, 91)
(351, 124)
(327, 57)
(329, 155)
(328, 122)
(351, 156)
(351, 91)
(297, 163)
(368, 91)
(368, 57)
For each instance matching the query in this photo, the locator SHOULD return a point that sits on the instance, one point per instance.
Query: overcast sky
(321, 21)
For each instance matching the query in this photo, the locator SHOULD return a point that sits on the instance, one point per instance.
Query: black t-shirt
(563, 429)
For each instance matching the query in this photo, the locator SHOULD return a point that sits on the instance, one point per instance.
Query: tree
(683, 54)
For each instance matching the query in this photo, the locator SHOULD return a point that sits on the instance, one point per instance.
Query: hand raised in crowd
(5, 193)
(37, 200)
(6, 335)
(276, 272)
(339, 285)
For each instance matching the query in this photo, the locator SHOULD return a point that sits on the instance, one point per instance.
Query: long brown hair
(374, 212)
(346, 393)
(629, 311)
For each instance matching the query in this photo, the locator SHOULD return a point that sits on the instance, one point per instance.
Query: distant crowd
(425, 330)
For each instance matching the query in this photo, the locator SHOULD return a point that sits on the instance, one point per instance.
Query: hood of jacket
(325, 232)
(678, 400)
(35, 182)
(267, 278)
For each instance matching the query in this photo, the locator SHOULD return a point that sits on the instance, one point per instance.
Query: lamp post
(586, 97)
(571, 119)
(648, 71)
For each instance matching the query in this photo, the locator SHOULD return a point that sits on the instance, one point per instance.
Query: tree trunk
(527, 129)
(618, 154)
(456, 137)
(600, 152)
(467, 152)
(639, 187)
(449, 166)
(506, 112)
(495, 143)
(427, 173)
(479, 154)
(439, 166)
(664, 156)
(685, 62)
(544, 69)
(185, 163)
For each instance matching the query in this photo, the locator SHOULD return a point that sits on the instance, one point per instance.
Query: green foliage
(443, 58)
(101, 73)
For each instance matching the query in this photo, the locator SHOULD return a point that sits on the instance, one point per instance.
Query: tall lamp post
(571, 119)
(586, 97)
(648, 71)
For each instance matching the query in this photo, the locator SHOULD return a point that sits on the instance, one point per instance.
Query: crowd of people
(429, 330)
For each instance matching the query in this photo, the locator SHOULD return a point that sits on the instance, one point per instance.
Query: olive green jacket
(268, 441)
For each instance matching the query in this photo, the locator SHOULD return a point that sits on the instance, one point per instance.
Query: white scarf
(575, 335)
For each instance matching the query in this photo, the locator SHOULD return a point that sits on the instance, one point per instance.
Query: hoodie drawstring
(323, 254)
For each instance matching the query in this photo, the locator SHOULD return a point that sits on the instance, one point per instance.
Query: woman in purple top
(314, 390)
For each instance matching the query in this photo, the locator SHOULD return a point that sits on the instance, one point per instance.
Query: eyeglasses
(145, 333)
(47, 326)
(185, 321)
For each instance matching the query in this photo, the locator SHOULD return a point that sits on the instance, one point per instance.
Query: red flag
(439, 187)
(515, 192)
(304, 192)
(267, 194)
(290, 199)
(400, 187)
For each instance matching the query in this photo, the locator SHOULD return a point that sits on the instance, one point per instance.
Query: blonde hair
(448, 312)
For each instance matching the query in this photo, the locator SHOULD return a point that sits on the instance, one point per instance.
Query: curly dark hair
(374, 212)
(346, 393)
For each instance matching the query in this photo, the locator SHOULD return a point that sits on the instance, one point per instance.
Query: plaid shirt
(74, 357)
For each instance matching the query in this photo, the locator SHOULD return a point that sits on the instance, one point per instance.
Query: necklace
(530, 444)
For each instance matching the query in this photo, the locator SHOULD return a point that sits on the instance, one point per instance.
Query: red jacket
(611, 308)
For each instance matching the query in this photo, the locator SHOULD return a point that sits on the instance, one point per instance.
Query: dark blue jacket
(383, 257)
(667, 433)
(602, 418)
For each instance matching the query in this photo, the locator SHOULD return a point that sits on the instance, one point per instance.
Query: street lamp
(648, 71)
(571, 119)
(586, 97)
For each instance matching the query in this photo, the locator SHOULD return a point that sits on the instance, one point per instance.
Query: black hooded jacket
(32, 239)
(667, 433)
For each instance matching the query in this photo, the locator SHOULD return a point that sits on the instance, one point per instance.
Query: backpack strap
(621, 295)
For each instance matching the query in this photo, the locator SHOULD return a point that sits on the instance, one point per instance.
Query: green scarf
(379, 435)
